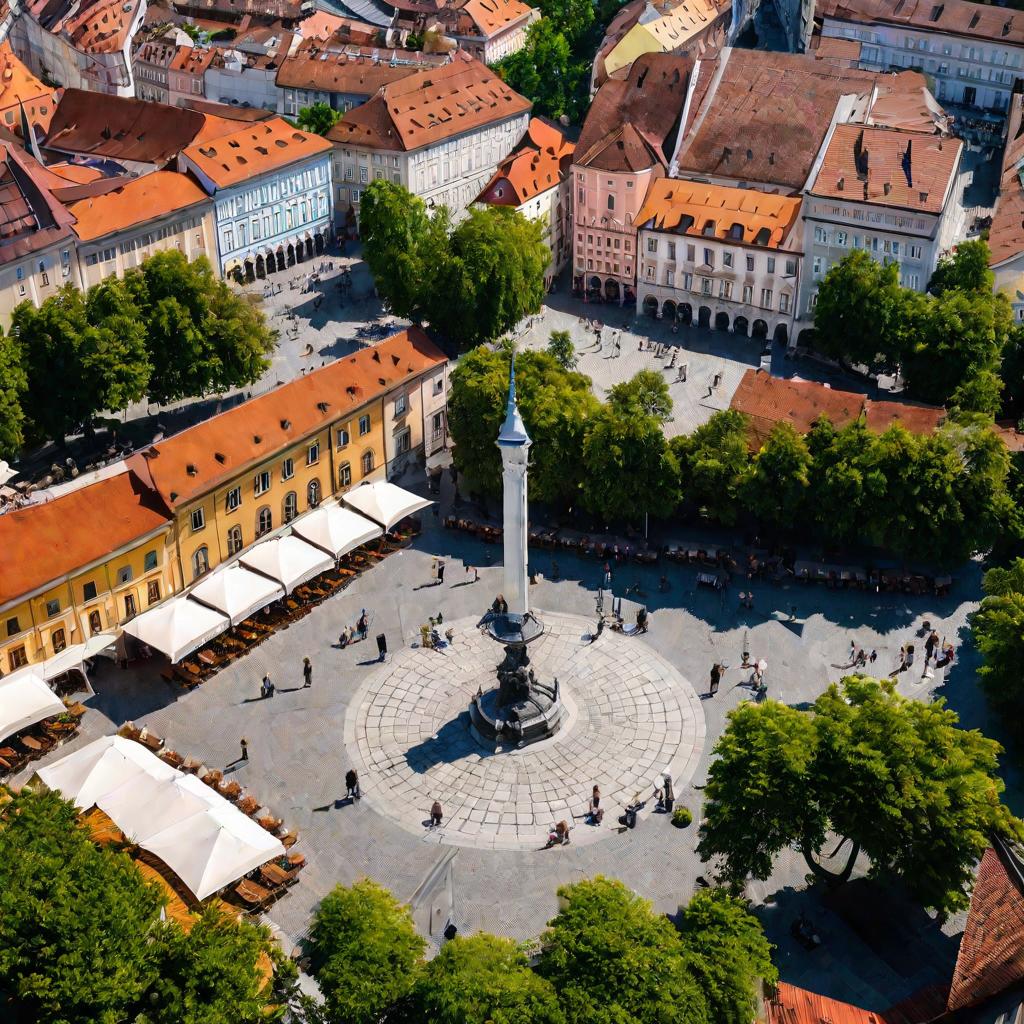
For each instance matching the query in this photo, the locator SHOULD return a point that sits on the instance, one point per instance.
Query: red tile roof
(197, 460)
(356, 70)
(253, 150)
(991, 957)
(540, 162)
(888, 167)
(792, 1005)
(193, 60)
(1006, 235)
(18, 86)
(101, 26)
(768, 400)
(43, 543)
(833, 48)
(423, 110)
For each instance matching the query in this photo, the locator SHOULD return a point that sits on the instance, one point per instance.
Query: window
(234, 540)
(688, 282)
(291, 506)
(233, 499)
(344, 474)
(709, 258)
(129, 606)
(611, 202)
(89, 591)
(13, 627)
(726, 259)
(817, 265)
(652, 245)
(124, 575)
(748, 293)
(841, 238)
(95, 622)
(790, 268)
(725, 289)
(58, 640)
(313, 454)
(915, 252)
(367, 463)
(783, 303)
(438, 388)
(264, 521)
(17, 658)
(152, 592)
(52, 609)
(766, 298)
(705, 286)
(404, 442)
(287, 469)
(400, 405)
(313, 493)
(750, 264)
(771, 264)
(364, 425)
(200, 562)
(149, 562)
(342, 438)
(261, 483)
(671, 250)
(198, 519)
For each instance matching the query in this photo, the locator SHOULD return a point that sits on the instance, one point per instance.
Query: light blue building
(271, 186)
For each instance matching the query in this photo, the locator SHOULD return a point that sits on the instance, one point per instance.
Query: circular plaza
(629, 717)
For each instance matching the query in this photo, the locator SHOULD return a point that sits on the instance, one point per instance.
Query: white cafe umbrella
(384, 502)
(237, 592)
(289, 560)
(24, 700)
(177, 627)
(336, 529)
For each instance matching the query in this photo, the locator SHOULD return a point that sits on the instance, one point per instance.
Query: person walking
(595, 815)
(716, 678)
(244, 744)
(266, 687)
(930, 646)
(440, 571)
(436, 814)
(873, 656)
(307, 673)
(853, 652)
(352, 784)
(363, 625)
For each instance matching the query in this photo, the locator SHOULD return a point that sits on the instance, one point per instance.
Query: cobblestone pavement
(631, 716)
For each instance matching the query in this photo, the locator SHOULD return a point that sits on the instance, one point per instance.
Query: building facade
(186, 75)
(487, 30)
(1006, 235)
(151, 64)
(721, 257)
(271, 186)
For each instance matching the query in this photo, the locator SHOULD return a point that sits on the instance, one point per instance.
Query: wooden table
(29, 743)
(276, 875)
(207, 658)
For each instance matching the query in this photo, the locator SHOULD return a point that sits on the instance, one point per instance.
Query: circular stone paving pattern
(630, 715)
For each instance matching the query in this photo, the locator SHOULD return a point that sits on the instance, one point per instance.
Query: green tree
(612, 960)
(573, 18)
(561, 347)
(212, 973)
(481, 980)
(998, 628)
(13, 385)
(556, 406)
(895, 778)
(713, 463)
(844, 486)
(76, 921)
(628, 467)
(730, 955)
(863, 315)
(117, 354)
(492, 277)
(318, 119)
(1012, 374)
(644, 394)
(775, 489)
(366, 954)
(966, 270)
(546, 72)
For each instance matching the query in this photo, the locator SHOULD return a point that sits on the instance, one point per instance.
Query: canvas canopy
(289, 560)
(72, 657)
(24, 700)
(384, 503)
(237, 592)
(201, 836)
(177, 627)
(336, 529)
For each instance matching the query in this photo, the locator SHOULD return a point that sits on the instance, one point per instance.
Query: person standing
(352, 784)
(244, 744)
(307, 673)
(436, 814)
(440, 571)
(266, 687)
(716, 678)
(594, 812)
(363, 625)
(929, 646)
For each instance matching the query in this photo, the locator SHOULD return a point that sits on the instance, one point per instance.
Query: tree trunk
(831, 878)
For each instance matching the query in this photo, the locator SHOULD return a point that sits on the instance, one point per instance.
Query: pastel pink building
(627, 142)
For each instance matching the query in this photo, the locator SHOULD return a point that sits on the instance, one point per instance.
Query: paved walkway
(631, 716)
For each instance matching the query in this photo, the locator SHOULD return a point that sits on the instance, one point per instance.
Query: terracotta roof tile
(539, 163)
(19, 86)
(492, 16)
(139, 201)
(101, 26)
(195, 461)
(946, 17)
(757, 218)
(991, 956)
(286, 11)
(193, 60)
(39, 546)
(833, 48)
(423, 110)
(356, 70)
(253, 150)
(324, 25)
(1006, 234)
(792, 1005)
(888, 167)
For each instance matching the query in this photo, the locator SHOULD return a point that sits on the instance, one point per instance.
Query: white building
(441, 134)
(535, 180)
(973, 52)
(271, 185)
(720, 256)
(896, 194)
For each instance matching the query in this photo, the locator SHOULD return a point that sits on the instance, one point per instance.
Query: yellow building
(81, 564)
(249, 471)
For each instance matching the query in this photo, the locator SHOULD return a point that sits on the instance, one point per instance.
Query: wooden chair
(191, 765)
(270, 823)
(248, 805)
(276, 876)
(230, 790)
(172, 757)
(252, 894)
(213, 778)
(289, 839)
(150, 740)
(129, 731)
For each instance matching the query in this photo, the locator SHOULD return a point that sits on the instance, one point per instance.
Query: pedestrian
(352, 785)
(930, 646)
(595, 815)
(664, 793)
(873, 656)
(266, 688)
(436, 814)
(363, 625)
(440, 571)
(307, 673)
(244, 743)
(560, 836)
(853, 651)
(716, 678)
(862, 659)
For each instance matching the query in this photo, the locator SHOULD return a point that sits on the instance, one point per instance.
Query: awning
(336, 529)
(24, 700)
(237, 592)
(90, 773)
(72, 657)
(384, 503)
(6, 473)
(289, 560)
(177, 627)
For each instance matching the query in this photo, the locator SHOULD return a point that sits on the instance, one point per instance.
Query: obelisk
(514, 444)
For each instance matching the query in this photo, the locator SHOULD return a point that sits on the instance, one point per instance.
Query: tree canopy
(713, 465)
(13, 385)
(998, 628)
(561, 347)
(896, 778)
(318, 118)
(548, 72)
